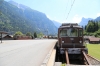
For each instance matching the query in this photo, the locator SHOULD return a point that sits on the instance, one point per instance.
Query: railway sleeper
(66, 57)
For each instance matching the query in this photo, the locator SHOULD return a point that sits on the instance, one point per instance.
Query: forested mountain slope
(21, 18)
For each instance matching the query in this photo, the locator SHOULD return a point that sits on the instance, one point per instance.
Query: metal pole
(47, 34)
(1, 37)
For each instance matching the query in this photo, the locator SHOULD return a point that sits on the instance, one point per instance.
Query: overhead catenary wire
(66, 7)
(70, 9)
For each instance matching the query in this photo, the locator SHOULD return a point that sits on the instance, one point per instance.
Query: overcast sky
(58, 9)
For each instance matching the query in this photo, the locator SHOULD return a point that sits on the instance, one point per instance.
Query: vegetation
(64, 64)
(28, 34)
(93, 50)
(18, 33)
(92, 28)
(35, 35)
(14, 19)
(40, 35)
(1, 1)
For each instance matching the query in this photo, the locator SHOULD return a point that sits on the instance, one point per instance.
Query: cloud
(55, 19)
(98, 14)
(48, 17)
(76, 19)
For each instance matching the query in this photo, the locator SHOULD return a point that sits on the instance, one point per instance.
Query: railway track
(84, 60)
(93, 61)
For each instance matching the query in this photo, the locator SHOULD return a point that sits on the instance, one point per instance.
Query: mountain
(21, 6)
(84, 21)
(17, 17)
(13, 3)
(57, 24)
(97, 19)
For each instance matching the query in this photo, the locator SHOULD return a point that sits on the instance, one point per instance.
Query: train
(70, 39)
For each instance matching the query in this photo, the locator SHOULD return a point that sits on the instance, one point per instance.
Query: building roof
(3, 32)
(94, 39)
(10, 36)
(89, 36)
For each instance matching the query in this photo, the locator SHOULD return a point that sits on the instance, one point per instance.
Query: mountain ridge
(57, 24)
(32, 20)
(84, 21)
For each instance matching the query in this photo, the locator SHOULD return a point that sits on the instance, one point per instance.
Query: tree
(18, 33)
(92, 26)
(85, 27)
(28, 34)
(35, 34)
(40, 35)
(1, 1)
(96, 26)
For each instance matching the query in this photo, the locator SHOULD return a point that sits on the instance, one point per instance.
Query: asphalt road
(24, 52)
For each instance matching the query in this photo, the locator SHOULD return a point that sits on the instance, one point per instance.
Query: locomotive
(70, 38)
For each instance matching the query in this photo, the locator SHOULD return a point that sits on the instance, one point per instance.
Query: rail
(90, 60)
(67, 58)
(93, 60)
(86, 58)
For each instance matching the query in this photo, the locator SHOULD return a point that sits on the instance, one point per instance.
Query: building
(91, 39)
(94, 40)
(22, 37)
(8, 37)
(87, 37)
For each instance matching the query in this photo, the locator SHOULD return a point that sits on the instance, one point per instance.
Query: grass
(64, 64)
(94, 50)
